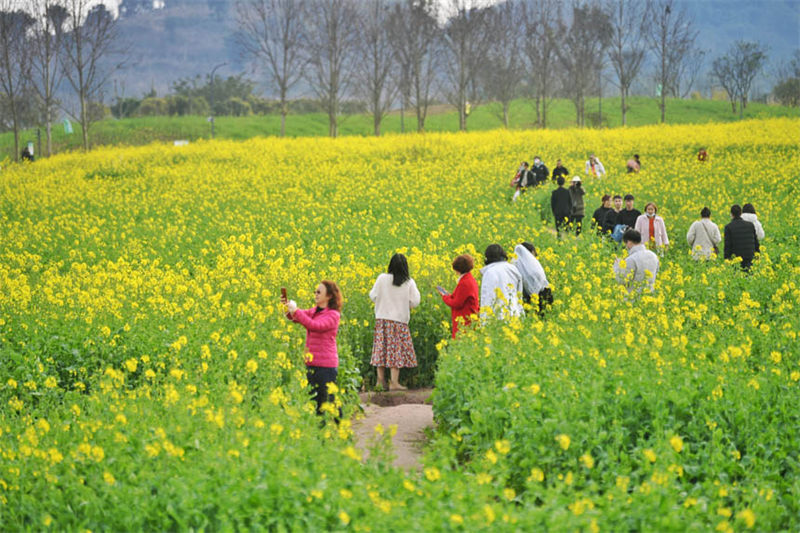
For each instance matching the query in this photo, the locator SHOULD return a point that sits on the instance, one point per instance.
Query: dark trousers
(545, 300)
(577, 221)
(318, 378)
(561, 221)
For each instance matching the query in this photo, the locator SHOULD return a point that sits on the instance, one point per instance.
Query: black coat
(599, 217)
(560, 171)
(561, 203)
(628, 218)
(541, 172)
(609, 221)
(741, 240)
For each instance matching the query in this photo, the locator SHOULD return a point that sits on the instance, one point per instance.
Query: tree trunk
(49, 134)
(505, 114)
(741, 109)
(733, 106)
(462, 118)
(84, 124)
(284, 112)
(538, 111)
(624, 109)
(402, 115)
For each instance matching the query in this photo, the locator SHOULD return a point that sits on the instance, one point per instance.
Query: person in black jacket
(560, 171)
(740, 238)
(540, 170)
(628, 216)
(610, 218)
(599, 214)
(561, 204)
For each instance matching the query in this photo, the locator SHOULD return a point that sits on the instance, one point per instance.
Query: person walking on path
(395, 293)
(540, 171)
(749, 214)
(594, 167)
(561, 204)
(534, 280)
(740, 238)
(322, 325)
(610, 219)
(703, 236)
(501, 284)
(524, 179)
(600, 213)
(640, 267)
(560, 171)
(629, 215)
(652, 228)
(464, 300)
(576, 194)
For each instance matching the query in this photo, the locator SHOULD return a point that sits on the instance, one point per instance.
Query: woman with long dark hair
(395, 293)
(322, 325)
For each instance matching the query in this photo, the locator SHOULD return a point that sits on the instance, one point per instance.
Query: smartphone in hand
(441, 290)
(283, 294)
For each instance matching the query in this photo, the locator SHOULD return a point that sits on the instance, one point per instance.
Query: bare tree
(375, 60)
(787, 89)
(271, 33)
(672, 40)
(88, 45)
(505, 65)
(542, 36)
(14, 62)
(331, 36)
(465, 41)
(581, 51)
(46, 55)
(736, 70)
(413, 33)
(628, 48)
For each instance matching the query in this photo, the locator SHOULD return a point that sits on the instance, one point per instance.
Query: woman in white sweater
(749, 214)
(394, 295)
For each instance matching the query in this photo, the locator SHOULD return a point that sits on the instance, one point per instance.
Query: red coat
(464, 301)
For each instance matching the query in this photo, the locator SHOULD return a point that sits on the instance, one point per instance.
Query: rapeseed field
(148, 380)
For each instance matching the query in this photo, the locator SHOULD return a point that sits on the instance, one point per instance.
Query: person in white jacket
(640, 267)
(594, 167)
(703, 236)
(501, 284)
(395, 294)
(749, 214)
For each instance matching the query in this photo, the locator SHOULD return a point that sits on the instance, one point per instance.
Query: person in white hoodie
(395, 293)
(703, 236)
(749, 214)
(501, 284)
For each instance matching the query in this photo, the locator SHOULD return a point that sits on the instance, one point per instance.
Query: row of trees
(43, 43)
(466, 52)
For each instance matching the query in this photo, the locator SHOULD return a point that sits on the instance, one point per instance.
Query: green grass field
(561, 114)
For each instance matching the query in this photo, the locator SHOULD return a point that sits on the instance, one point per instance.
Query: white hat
(576, 178)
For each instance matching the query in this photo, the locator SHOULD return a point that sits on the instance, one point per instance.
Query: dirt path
(407, 410)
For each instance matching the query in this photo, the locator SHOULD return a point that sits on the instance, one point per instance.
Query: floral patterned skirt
(392, 346)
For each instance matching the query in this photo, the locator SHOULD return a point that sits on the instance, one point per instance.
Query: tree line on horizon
(375, 56)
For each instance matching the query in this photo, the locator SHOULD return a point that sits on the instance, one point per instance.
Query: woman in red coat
(464, 301)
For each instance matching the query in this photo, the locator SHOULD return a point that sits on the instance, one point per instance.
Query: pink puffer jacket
(321, 329)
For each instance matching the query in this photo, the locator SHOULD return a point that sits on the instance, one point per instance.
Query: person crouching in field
(322, 325)
(395, 293)
(463, 302)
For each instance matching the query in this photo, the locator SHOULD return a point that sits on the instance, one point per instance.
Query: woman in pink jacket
(322, 325)
(652, 228)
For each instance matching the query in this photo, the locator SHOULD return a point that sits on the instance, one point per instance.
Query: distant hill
(186, 38)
